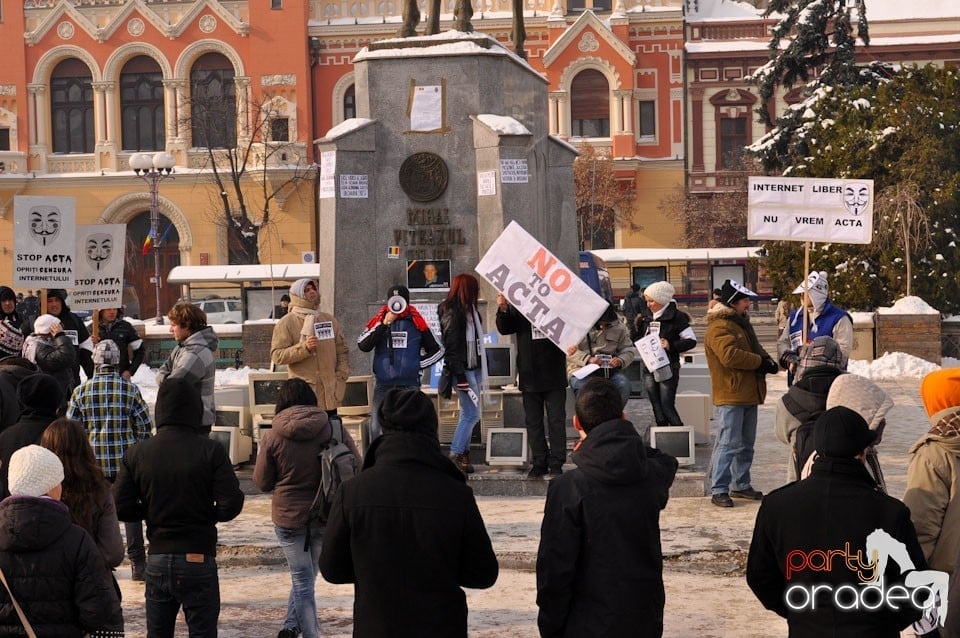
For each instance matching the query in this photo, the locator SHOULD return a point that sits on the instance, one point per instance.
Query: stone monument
(451, 145)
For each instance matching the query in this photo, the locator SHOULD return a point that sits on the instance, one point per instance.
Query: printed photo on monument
(428, 275)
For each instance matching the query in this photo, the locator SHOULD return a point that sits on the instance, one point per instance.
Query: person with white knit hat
(823, 318)
(60, 578)
(663, 318)
(49, 346)
(310, 343)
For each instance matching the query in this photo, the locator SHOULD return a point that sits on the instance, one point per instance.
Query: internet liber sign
(810, 209)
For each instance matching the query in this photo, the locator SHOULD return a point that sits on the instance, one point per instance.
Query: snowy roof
(502, 124)
(346, 126)
(446, 43)
(239, 274)
(877, 10)
(677, 254)
(909, 306)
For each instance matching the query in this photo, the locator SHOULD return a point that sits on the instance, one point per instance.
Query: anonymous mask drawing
(44, 224)
(856, 197)
(99, 247)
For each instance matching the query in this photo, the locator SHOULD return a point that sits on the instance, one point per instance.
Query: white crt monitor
(264, 387)
(238, 445)
(678, 442)
(232, 416)
(506, 446)
(358, 397)
(501, 363)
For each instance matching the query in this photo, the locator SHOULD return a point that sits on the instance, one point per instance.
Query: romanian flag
(148, 243)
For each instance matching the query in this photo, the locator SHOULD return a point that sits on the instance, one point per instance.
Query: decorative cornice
(571, 37)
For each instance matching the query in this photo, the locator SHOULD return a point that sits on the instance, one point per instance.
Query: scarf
(744, 322)
(412, 313)
(948, 426)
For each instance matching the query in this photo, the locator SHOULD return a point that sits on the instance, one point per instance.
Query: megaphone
(396, 304)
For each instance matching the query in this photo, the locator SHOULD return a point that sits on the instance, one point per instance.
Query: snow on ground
(909, 306)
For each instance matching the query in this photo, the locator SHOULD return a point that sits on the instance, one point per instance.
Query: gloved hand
(462, 383)
(769, 366)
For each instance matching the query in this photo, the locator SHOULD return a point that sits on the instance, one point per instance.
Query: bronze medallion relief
(424, 176)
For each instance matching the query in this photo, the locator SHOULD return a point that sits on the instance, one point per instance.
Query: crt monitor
(358, 397)
(501, 363)
(264, 389)
(506, 446)
(678, 442)
(238, 446)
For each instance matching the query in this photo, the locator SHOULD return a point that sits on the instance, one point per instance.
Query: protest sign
(43, 242)
(98, 282)
(810, 209)
(550, 295)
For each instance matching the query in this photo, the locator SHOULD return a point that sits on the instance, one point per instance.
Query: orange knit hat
(940, 390)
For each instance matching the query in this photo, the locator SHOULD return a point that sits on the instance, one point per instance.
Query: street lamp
(153, 169)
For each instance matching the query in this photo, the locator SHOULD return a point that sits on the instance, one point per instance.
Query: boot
(462, 461)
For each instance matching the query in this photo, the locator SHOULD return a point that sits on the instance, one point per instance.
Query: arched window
(590, 105)
(213, 102)
(350, 102)
(71, 107)
(141, 105)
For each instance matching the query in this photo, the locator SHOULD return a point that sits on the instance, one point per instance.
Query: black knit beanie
(410, 410)
(40, 394)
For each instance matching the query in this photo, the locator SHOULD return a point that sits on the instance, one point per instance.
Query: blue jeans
(304, 566)
(469, 414)
(733, 449)
(616, 377)
(663, 398)
(173, 582)
(380, 391)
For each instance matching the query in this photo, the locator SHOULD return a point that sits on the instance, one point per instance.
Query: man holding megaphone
(402, 345)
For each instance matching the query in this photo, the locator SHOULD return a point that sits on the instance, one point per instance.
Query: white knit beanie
(43, 324)
(298, 287)
(34, 471)
(661, 292)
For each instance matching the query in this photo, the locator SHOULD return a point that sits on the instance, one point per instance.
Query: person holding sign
(604, 352)
(461, 332)
(672, 326)
(311, 345)
(737, 364)
(825, 319)
(74, 328)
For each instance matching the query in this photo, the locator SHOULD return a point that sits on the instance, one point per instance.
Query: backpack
(337, 464)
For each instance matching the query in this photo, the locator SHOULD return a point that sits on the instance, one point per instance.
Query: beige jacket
(933, 483)
(327, 368)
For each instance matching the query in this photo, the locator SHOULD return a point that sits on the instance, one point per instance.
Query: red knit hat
(940, 390)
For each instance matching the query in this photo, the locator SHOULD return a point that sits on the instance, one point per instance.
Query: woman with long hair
(461, 332)
(288, 465)
(85, 489)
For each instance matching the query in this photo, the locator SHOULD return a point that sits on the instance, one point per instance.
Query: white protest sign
(810, 209)
(550, 295)
(43, 241)
(652, 353)
(99, 268)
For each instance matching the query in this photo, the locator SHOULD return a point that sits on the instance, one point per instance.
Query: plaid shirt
(114, 414)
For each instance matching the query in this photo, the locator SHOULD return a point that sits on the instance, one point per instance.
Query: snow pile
(909, 306)
(146, 380)
(896, 365)
(502, 124)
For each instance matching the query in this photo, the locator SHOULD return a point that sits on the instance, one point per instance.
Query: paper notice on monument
(426, 111)
(514, 171)
(353, 187)
(44, 245)
(551, 296)
(487, 183)
(328, 169)
(99, 267)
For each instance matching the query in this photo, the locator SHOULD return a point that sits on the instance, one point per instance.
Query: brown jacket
(933, 480)
(735, 378)
(326, 369)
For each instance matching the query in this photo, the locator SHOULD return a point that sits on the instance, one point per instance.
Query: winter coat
(541, 365)
(396, 366)
(10, 376)
(180, 481)
(326, 369)
(193, 361)
(26, 431)
(56, 357)
(799, 407)
(674, 327)
(600, 565)
(288, 463)
(829, 320)
(933, 482)
(106, 528)
(84, 347)
(634, 305)
(55, 571)
(733, 359)
(453, 334)
(124, 335)
(408, 532)
(836, 507)
(613, 340)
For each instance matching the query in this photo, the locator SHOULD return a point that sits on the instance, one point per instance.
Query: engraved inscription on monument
(424, 176)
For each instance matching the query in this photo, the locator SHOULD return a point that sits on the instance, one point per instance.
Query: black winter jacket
(408, 532)
(84, 347)
(600, 566)
(453, 333)
(55, 571)
(123, 334)
(10, 377)
(674, 327)
(835, 508)
(26, 431)
(541, 365)
(58, 358)
(180, 481)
